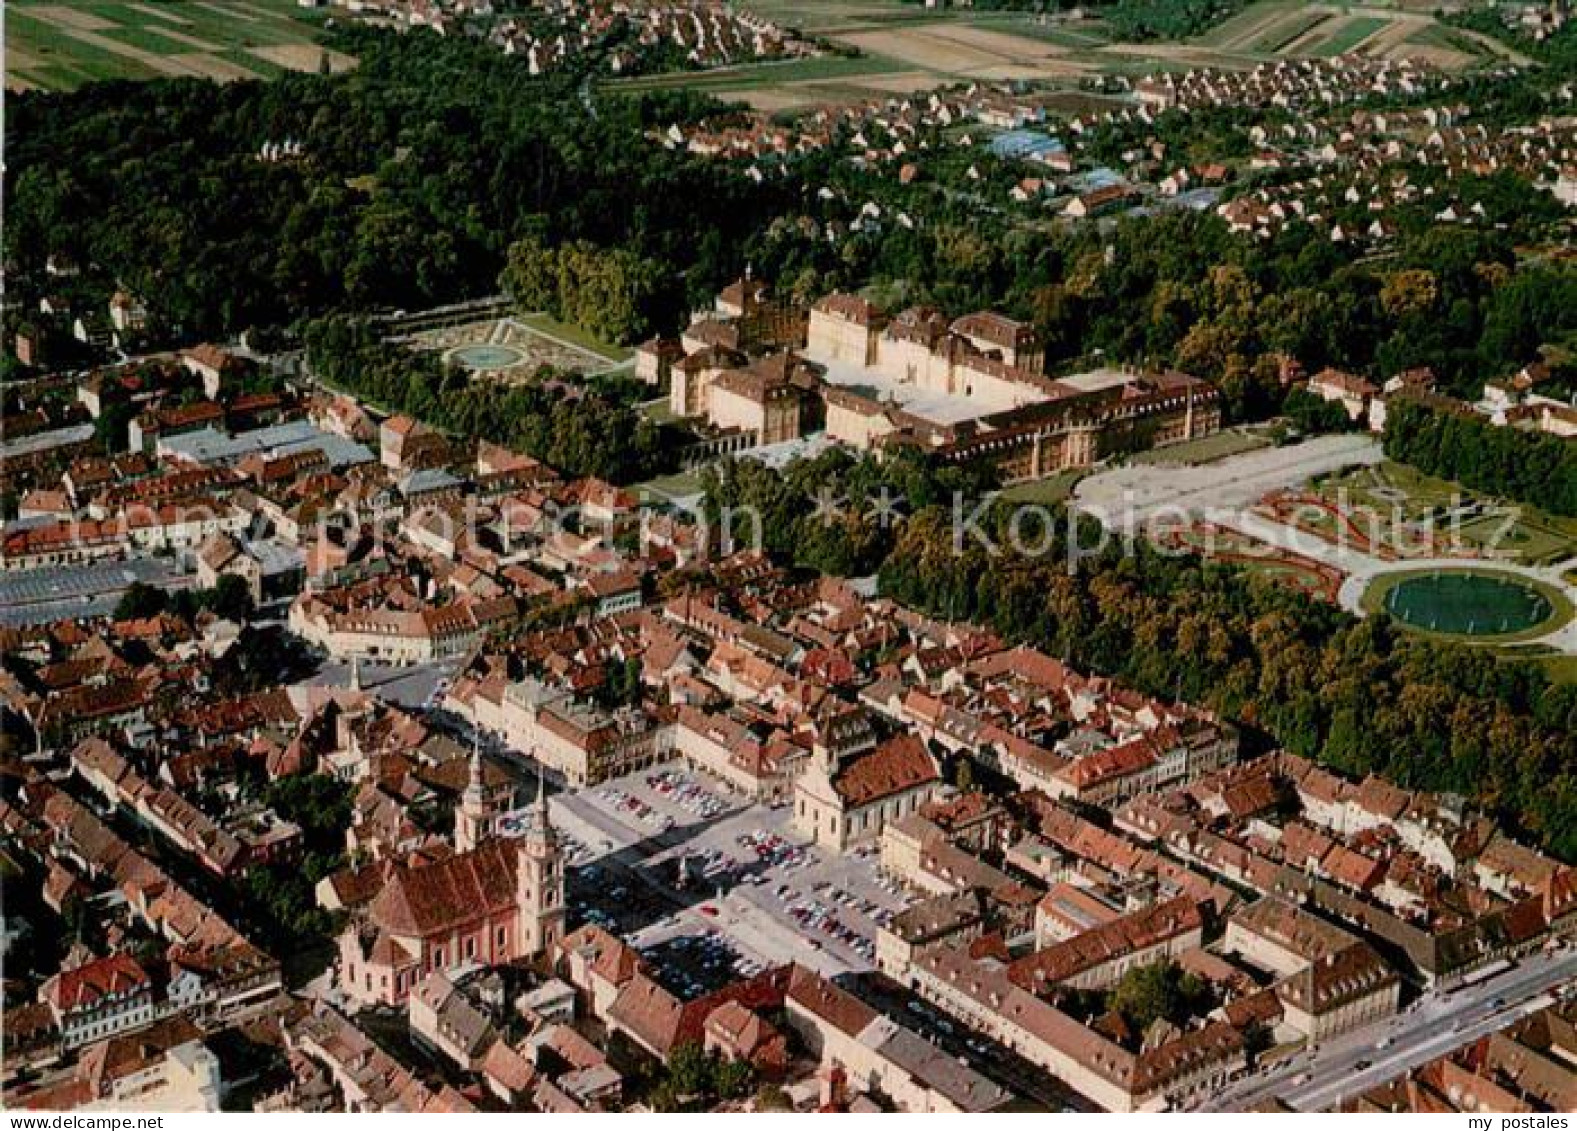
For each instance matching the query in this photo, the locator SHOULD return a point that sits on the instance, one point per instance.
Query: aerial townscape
(789, 556)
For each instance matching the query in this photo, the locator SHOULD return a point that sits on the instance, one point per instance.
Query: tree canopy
(1530, 467)
(594, 431)
(418, 171)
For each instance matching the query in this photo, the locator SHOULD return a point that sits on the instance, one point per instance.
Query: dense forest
(1359, 696)
(1531, 467)
(826, 513)
(1146, 20)
(425, 166)
(419, 169)
(612, 292)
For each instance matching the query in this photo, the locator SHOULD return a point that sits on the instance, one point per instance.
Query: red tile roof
(897, 765)
(435, 898)
(108, 977)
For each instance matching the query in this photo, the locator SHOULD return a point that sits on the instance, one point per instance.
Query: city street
(1432, 1027)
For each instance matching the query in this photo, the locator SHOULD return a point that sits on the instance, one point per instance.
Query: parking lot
(708, 887)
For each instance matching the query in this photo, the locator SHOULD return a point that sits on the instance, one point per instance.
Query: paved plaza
(696, 861)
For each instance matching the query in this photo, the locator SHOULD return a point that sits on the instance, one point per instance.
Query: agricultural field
(797, 82)
(1289, 29)
(899, 53)
(61, 44)
(1349, 34)
(965, 51)
(905, 48)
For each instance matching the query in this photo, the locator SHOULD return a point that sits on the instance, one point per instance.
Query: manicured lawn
(1206, 449)
(1282, 572)
(1395, 491)
(1558, 666)
(1043, 492)
(671, 486)
(575, 336)
(1561, 669)
(1527, 539)
(658, 412)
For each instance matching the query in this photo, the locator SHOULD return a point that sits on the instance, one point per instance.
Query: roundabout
(1470, 603)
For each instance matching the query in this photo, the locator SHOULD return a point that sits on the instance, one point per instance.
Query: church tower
(472, 823)
(539, 881)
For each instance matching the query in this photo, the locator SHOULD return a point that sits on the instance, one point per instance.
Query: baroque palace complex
(734, 556)
(759, 371)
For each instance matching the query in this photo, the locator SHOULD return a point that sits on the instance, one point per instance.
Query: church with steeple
(494, 901)
(473, 818)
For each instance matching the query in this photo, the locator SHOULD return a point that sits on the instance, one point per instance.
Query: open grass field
(62, 44)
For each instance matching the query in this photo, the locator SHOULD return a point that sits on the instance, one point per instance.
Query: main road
(1432, 1027)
